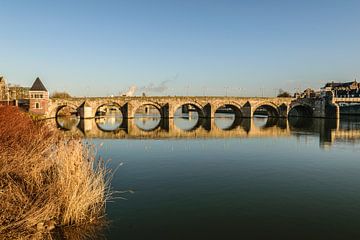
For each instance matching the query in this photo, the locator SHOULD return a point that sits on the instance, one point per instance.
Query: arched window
(37, 105)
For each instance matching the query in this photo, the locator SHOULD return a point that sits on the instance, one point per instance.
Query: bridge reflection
(152, 127)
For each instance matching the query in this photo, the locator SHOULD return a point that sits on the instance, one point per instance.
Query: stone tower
(39, 98)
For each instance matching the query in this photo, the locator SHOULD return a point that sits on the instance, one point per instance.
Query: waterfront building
(39, 98)
(345, 89)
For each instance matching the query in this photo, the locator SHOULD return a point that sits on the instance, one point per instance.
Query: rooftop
(38, 86)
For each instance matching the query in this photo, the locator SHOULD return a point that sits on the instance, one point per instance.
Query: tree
(60, 95)
(283, 93)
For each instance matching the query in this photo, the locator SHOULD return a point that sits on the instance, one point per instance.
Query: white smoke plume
(160, 88)
(130, 92)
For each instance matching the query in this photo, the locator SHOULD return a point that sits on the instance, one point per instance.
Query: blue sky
(179, 47)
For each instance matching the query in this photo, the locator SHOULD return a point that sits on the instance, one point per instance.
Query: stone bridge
(205, 106)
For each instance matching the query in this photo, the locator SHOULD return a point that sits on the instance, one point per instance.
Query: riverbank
(46, 181)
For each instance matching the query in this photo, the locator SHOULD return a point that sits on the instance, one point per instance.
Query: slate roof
(38, 86)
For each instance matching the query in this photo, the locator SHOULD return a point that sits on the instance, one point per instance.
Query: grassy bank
(46, 181)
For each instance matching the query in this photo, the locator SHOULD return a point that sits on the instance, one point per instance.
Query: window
(37, 105)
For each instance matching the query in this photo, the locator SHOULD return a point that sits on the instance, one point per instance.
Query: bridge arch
(137, 107)
(145, 121)
(184, 120)
(228, 115)
(270, 108)
(301, 110)
(235, 107)
(56, 110)
(199, 109)
(109, 104)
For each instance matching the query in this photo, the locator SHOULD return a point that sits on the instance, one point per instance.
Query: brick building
(39, 98)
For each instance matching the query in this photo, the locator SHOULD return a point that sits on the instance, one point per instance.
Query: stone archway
(301, 110)
(266, 108)
(199, 109)
(109, 104)
(228, 115)
(132, 109)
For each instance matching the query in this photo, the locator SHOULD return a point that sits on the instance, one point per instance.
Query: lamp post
(187, 90)
(240, 89)
(226, 91)
(262, 91)
(204, 90)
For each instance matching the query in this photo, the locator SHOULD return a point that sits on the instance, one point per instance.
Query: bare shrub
(63, 95)
(46, 180)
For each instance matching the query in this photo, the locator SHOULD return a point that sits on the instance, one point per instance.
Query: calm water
(230, 179)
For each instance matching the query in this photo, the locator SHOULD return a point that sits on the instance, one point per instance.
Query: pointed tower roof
(38, 86)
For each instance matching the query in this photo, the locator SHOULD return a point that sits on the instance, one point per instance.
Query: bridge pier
(167, 111)
(126, 111)
(208, 111)
(85, 110)
(283, 111)
(325, 108)
(247, 110)
(86, 125)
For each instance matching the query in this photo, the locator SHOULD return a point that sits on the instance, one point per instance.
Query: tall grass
(45, 180)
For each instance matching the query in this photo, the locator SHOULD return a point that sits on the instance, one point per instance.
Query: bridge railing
(347, 99)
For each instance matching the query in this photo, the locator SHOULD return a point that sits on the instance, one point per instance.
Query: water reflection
(226, 121)
(261, 173)
(187, 118)
(109, 122)
(67, 123)
(147, 118)
(147, 123)
(189, 125)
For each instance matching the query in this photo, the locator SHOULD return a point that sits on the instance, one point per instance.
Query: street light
(187, 90)
(262, 91)
(240, 89)
(226, 91)
(204, 90)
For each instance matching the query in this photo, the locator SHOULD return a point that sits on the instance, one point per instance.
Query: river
(229, 179)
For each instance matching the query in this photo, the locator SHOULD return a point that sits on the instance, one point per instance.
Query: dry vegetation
(46, 181)
(63, 95)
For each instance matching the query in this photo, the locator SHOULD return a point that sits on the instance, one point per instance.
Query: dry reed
(45, 179)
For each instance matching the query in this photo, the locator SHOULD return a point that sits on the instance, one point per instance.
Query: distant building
(12, 92)
(17, 92)
(3, 91)
(346, 89)
(309, 93)
(39, 98)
